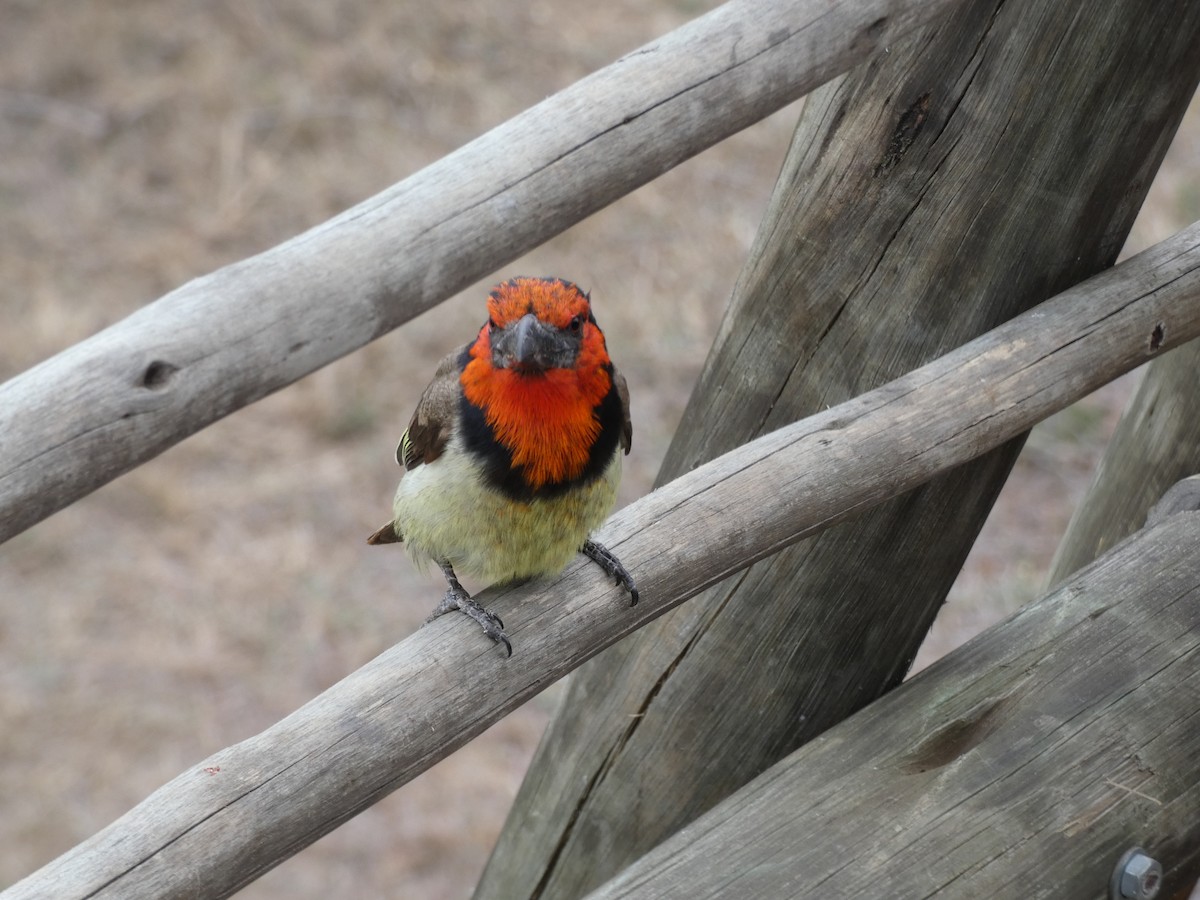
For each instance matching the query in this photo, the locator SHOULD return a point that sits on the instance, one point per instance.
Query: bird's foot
(457, 598)
(604, 558)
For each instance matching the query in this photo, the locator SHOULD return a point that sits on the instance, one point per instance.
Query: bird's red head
(556, 302)
(539, 369)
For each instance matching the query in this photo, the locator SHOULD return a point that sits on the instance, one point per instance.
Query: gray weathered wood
(243, 810)
(1156, 443)
(220, 342)
(1183, 496)
(953, 168)
(1020, 766)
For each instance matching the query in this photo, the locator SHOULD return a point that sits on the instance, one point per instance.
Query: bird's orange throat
(546, 420)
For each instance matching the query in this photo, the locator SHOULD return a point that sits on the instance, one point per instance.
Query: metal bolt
(1137, 876)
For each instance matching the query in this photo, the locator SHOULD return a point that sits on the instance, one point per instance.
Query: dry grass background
(202, 597)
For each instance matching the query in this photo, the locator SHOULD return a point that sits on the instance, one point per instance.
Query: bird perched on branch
(513, 455)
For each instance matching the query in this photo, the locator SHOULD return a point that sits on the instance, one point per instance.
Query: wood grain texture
(983, 163)
(1020, 766)
(1157, 442)
(220, 342)
(236, 814)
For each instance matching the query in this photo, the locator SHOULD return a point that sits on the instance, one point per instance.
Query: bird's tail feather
(386, 535)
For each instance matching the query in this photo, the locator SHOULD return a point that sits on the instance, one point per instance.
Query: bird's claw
(491, 623)
(458, 599)
(606, 560)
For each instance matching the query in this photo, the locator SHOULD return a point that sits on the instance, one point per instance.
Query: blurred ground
(207, 594)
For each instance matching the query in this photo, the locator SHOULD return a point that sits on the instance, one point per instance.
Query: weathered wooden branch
(243, 810)
(1156, 443)
(220, 342)
(1182, 496)
(926, 197)
(1020, 766)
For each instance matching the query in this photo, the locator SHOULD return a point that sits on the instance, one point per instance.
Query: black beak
(530, 341)
(530, 345)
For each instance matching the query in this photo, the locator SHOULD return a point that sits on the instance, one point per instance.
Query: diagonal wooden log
(1021, 766)
(221, 342)
(1001, 155)
(245, 809)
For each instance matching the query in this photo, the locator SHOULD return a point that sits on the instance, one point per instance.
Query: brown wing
(627, 424)
(427, 433)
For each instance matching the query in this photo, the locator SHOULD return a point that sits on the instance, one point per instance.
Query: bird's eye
(576, 324)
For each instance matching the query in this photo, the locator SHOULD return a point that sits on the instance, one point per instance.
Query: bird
(513, 455)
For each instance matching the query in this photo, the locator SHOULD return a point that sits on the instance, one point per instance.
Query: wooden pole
(242, 811)
(1021, 766)
(1157, 442)
(981, 165)
(220, 342)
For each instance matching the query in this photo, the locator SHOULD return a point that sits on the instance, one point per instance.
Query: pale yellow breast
(446, 512)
